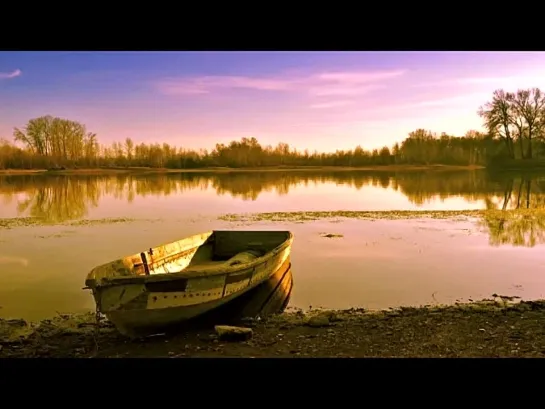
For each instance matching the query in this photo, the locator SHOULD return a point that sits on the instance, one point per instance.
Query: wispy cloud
(208, 84)
(9, 75)
(451, 101)
(359, 77)
(331, 104)
(508, 81)
(318, 85)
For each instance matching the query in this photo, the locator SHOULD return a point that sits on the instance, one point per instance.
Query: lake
(87, 220)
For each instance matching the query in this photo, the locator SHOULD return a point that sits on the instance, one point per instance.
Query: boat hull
(147, 308)
(270, 297)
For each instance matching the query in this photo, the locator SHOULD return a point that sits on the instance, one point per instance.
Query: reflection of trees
(422, 187)
(58, 198)
(519, 217)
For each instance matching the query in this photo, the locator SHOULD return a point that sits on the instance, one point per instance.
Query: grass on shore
(122, 170)
(489, 328)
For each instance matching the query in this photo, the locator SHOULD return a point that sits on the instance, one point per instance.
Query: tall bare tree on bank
(498, 118)
(529, 108)
(58, 140)
(516, 116)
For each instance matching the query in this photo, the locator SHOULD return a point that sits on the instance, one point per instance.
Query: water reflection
(384, 263)
(61, 198)
(526, 226)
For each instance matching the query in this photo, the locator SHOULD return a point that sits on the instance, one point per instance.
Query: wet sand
(493, 328)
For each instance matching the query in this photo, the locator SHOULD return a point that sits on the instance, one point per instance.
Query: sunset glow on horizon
(320, 101)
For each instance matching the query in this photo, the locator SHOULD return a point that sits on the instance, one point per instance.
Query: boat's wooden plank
(179, 285)
(239, 276)
(229, 243)
(158, 300)
(195, 261)
(236, 286)
(118, 297)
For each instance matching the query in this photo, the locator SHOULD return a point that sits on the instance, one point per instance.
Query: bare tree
(129, 147)
(528, 106)
(498, 117)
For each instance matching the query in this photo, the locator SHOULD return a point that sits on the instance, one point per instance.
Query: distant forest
(515, 124)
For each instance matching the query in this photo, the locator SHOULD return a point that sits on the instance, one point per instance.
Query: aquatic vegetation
(331, 235)
(490, 215)
(11, 223)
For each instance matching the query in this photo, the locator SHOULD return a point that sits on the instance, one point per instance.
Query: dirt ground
(492, 328)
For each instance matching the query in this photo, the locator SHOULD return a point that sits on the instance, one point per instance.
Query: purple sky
(316, 100)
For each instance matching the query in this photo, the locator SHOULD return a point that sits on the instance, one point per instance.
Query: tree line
(514, 123)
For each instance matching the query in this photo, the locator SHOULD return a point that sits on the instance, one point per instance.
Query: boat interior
(208, 251)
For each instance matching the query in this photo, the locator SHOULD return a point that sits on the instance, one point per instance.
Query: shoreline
(495, 327)
(143, 170)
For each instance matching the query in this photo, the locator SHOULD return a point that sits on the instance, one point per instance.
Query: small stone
(230, 333)
(318, 321)
(332, 316)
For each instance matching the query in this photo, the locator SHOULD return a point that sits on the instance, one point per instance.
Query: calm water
(377, 264)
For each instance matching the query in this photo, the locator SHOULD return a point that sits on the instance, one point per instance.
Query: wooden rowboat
(174, 282)
(268, 298)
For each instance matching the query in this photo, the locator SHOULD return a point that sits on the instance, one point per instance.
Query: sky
(317, 100)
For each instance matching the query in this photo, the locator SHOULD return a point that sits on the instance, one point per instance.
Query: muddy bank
(492, 328)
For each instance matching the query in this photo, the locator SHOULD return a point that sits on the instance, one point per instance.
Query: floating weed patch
(488, 215)
(331, 235)
(12, 223)
(94, 222)
(23, 222)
